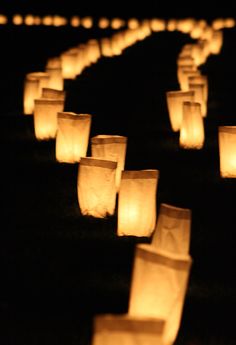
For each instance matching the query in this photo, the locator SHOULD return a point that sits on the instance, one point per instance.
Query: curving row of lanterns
(161, 269)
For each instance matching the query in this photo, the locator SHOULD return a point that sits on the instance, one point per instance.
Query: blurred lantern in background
(175, 100)
(137, 203)
(96, 187)
(157, 24)
(3, 19)
(216, 42)
(172, 233)
(111, 147)
(192, 127)
(86, 22)
(127, 330)
(53, 94)
(199, 96)
(45, 117)
(69, 62)
(103, 23)
(17, 19)
(200, 79)
(72, 136)
(29, 19)
(133, 23)
(31, 92)
(106, 49)
(158, 287)
(117, 23)
(75, 21)
(171, 25)
(227, 151)
(55, 78)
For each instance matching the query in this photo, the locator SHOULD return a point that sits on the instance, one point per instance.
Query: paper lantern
(127, 330)
(69, 61)
(111, 147)
(181, 76)
(158, 287)
(55, 78)
(192, 127)
(157, 25)
(200, 79)
(29, 19)
(106, 47)
(53, 94)
(87, 22)
(172, 232)
(133, 23)
(199, 96)
(216, 42)
(185, 75)
(175, 100)
(54, 62)
(137, 202)
(117, 23)
(45, 117)
(3, 19)
(96, 187)
(72, 136)
(31, 92)
(103, 23)
(75, 21)
(17, 19)
(227, 151)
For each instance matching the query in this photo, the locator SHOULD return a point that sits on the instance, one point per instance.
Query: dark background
(59, 269)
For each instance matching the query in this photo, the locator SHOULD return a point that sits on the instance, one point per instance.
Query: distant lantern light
(171, 25)
(186, 74)
(111, 147)
(47, 20)
(3, 19)
(133, 23)
(175, 100)
(227, 151)
(75, 21)
(158, 287)
(72, 136)
(17, 19)
(173, 230)
(53, 94)
(59, 21)
(199, 96)
(33, 85)
(192, 127)
(106, 49)
(87, 22)
(185, 25)
(157, 24)
(126, 329)
(69, 62)
(181, 76)
(200, 79)
(218, 24)
(137, 202)
(45, 117)
(54, 62)
(37, 20)
(117, 23)
(216, 42)
(103, 23)
(31, 92)
(229, 23)
(55, 78)
(96, 187)
(29, 19)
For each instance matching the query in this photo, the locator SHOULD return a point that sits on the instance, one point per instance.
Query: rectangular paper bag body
(172, 232)
(158, 287)
(96, 187)
(137, 202)
(227, 151)
(111, 147)
(127, 330)
(72, 136)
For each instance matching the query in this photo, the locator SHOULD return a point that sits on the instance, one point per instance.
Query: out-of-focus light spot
(3, 19)
(157, 24)
(59, 21)
(103, 23)
(37, 20)
(17, 19)
(133, 23)
(47, 20)
(75, 21)
(117, 23)
(29, 19)
(87, 22)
